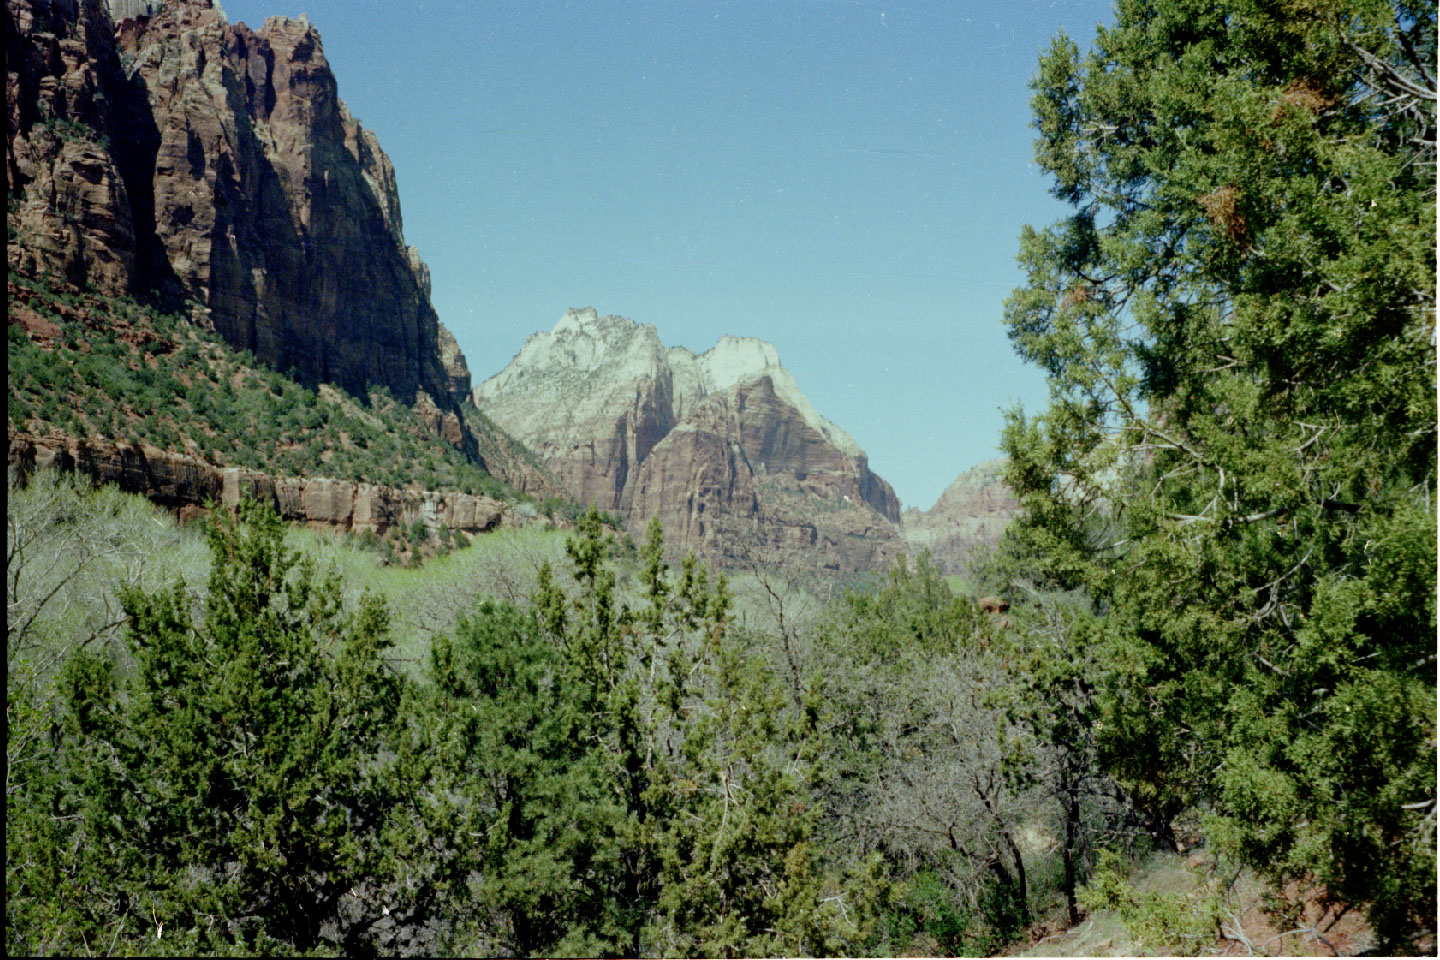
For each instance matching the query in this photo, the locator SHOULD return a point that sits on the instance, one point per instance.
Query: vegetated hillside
(1194, 903)
(700, 774)
(783, 743)
(110, 370)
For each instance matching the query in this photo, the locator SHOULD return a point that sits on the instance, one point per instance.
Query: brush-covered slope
(149, 401)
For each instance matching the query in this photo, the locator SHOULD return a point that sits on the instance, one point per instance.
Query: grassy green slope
(79, 547)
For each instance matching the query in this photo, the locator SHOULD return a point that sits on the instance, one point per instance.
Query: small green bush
(1167, 922)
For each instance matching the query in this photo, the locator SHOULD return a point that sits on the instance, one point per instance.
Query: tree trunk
(1072, 836)
(1020, 886)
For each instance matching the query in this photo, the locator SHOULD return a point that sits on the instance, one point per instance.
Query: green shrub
(1167, 922)
(74, 131)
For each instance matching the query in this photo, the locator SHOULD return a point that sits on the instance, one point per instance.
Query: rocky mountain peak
(594, 342)
(742, 360)
(738, 360)
(573, 373)
(723, 446)
(970, 516)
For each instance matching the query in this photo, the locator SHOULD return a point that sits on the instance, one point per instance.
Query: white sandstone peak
(602, 352)
(734, 361)
(738, 360)
(575, 320)
(597, 357)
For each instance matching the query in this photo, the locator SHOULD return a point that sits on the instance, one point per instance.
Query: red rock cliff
(184, 484)
(722, 447)
(180, 154)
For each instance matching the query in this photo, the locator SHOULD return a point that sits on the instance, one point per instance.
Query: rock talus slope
(722, 446)
(179, 154)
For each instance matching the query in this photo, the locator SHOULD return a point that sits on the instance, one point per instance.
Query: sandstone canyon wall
(722, 446)
(179, 156)
(185, 485)
(970, 517)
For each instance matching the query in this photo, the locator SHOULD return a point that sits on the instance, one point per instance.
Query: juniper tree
(1238, 458)
(230, 794)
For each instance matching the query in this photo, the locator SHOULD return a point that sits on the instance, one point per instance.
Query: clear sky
(845, 179)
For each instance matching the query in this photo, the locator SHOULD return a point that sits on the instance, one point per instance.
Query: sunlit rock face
(159, 148)
(968, 519)
(591, 397)
(722, 446)
(187, 485)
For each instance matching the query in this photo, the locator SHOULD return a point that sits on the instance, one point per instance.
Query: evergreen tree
(528, 813)
(1238, 459)
(230, 795)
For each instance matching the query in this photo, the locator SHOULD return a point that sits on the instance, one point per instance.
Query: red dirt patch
(36, 326)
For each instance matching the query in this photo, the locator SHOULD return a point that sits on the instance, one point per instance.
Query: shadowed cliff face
(182, 156)
(66, 195)
(743, 477)
(722, 446)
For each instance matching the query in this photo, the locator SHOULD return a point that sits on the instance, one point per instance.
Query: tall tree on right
(1238, 460)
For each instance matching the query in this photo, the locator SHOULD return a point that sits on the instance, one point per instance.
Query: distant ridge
(970, 516)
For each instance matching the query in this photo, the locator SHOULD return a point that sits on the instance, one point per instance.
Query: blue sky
(845, 179)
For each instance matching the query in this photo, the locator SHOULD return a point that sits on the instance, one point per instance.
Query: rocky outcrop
(452, 361)
(742, 479)
(68, 202)
(590, 397)
(185, 485)
(722, 446)
(179, 154)
(970, 516)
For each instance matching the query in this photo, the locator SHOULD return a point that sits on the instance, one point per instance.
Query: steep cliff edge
(187, 484)
(722, 446)
(970, 516)
(178, 155)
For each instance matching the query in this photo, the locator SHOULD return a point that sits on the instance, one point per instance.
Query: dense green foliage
(233, 788)
(1237, 467)
(608, 761)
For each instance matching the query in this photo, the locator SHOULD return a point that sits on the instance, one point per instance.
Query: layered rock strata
(969, 518)
(178, 154)
(722, 446)
(185, 485)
